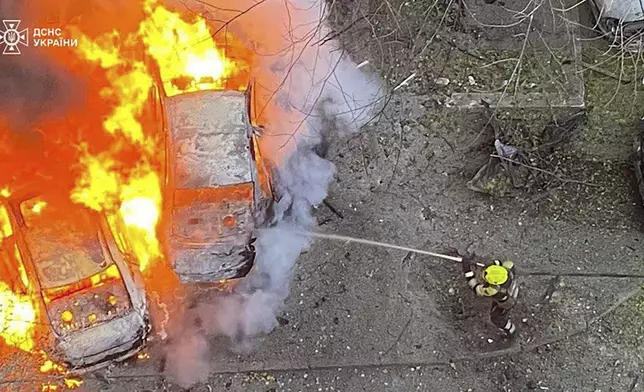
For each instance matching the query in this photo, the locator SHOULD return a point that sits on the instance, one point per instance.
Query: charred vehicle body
(218, 188)
(90, 298)
(621, 21)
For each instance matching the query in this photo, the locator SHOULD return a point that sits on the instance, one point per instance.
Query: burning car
(91, 300)
(620, 21)
(218, 187)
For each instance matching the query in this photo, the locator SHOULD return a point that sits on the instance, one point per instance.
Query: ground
(363, 318)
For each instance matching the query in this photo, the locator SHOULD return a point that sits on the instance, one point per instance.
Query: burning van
(218, 187)
(91, 300)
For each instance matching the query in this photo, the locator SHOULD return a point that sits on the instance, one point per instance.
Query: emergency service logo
(11, 37)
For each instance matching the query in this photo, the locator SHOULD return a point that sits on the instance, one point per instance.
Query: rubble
(518, 154)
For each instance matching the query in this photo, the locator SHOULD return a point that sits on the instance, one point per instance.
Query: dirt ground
(362, 318)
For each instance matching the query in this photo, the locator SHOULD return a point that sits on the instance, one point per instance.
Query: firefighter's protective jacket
(505, 294)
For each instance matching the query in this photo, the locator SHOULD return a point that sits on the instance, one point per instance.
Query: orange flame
(73, 383)
(5, 224)
(114, 141)
(187, 55)
(50, 367)
(132, 195)
(17, 319)
(17, 312)
(133, 202)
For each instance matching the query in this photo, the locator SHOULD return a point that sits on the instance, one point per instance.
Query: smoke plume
(309, 90)
(31, 86)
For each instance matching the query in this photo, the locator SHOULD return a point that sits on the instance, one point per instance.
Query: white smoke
(309, 92)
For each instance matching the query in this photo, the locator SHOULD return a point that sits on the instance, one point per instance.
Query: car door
(263, 171)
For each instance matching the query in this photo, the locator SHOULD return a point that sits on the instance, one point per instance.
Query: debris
(143, 356)
(441, 81)
(618, 23)
(362, 64)
(332, 208)
(405, 82)
(604, 72)
(552, 287)
(471, 80)
(513, 168)
(505, 150)
(634, 383)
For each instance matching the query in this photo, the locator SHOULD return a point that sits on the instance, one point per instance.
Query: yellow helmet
(495, 274)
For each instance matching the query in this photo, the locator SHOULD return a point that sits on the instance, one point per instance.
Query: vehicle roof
(32, 190)
(63, 244)
(63, 255)
(209, 132)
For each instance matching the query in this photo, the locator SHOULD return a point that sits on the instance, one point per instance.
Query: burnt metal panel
(202, 249)
(92, 301)
(209, 139)
(202, 222)
(212, 263)
(118, 337)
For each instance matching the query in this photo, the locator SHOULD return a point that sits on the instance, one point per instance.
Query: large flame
(18, 315)
(17, 319)
(188, 57)
(17, 311)
(132, 203)
(17, 328)
(129, 193)
(184, 52)
(107, 152)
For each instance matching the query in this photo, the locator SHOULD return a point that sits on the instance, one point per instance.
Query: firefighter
(495, 280)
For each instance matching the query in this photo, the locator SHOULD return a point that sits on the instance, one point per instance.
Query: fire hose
(382, 244)
(457, 259)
